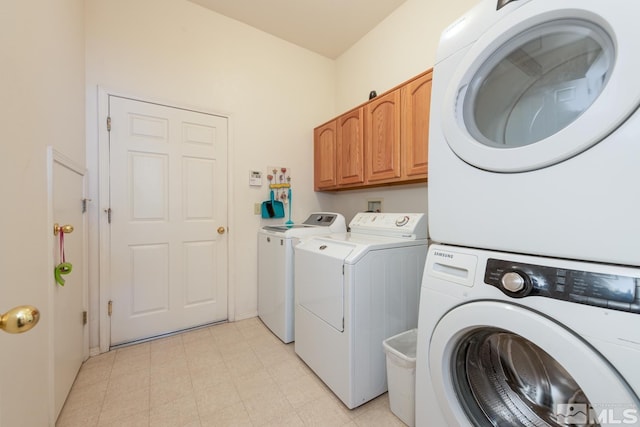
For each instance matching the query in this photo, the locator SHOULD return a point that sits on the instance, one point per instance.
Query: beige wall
(42, 86)
(179, 53)
(400, 47)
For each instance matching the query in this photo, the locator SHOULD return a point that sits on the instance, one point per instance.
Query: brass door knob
(19, 319)
(66, 229)
(221, 230)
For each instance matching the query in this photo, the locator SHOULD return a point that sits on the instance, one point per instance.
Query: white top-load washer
(275, 268)
(534, 123)
(353, 291)
(512, 340)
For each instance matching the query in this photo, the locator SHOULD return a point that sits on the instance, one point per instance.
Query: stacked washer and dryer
(530, 301)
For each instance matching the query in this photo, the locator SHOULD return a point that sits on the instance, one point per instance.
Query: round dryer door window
(500, 364)
(537, 84)
(544, 84)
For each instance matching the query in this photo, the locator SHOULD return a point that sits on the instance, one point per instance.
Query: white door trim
(104, 203)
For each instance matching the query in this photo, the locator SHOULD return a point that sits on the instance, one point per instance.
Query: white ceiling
(328, 27)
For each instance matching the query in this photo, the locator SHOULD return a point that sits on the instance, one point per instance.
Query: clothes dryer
(275, 268)
(508, 340)
(353, 291)
(534, 127)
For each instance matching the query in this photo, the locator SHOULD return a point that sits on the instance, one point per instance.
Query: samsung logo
(443, 254)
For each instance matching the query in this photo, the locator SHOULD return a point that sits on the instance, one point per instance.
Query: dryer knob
(513, 282)
(402, 221)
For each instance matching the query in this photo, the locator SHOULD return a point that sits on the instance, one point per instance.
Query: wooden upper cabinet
(324, 156)
(382, 138)
(350, 154)
(382, 142)
(416, 99)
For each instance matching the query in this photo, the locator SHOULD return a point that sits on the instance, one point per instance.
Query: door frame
(55, 156)
(104, 235)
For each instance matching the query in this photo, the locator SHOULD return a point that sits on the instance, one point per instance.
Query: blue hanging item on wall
(289, 223)
(272, 208)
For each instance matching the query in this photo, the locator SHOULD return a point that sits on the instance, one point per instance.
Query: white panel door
(168, 189)
(70, 346)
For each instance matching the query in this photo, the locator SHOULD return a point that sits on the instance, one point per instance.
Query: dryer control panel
(519, 280)
(402, 225)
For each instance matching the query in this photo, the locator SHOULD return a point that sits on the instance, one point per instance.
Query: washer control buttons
(614, 289)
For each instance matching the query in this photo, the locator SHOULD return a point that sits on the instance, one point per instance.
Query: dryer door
(319, 279)
(494, 363)
(545, 83)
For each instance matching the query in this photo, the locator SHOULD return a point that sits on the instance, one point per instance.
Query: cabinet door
(350, 148)
(416, 97)
(324, 156)
(382, 136)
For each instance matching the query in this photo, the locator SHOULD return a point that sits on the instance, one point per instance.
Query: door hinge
(110, 308)
(108, 124)
(108, 212)
(84, 204)
(343, 269)
(84, 317)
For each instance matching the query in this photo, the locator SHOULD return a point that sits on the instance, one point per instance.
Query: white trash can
(401, 374)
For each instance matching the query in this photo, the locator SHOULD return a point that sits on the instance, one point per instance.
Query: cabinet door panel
(415, 136)
(382, 136)
(350, 148)
(324, 156)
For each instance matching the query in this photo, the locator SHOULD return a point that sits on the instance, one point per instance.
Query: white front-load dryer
(517, 340)
(533, 142)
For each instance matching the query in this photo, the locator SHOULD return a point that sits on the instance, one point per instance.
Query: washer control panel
(597, 289)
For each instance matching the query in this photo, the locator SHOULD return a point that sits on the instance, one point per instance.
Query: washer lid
(545, 83)
(316, 224)
(283, 228)
(494, 359)
(359, 244)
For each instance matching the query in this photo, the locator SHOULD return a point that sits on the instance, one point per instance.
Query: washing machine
(275, 268)
(534, 127)
(353, 291)
(507, 340)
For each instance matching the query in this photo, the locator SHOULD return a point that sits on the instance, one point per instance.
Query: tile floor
(233, 374)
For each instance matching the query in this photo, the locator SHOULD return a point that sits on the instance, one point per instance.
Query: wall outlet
(256, 209)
